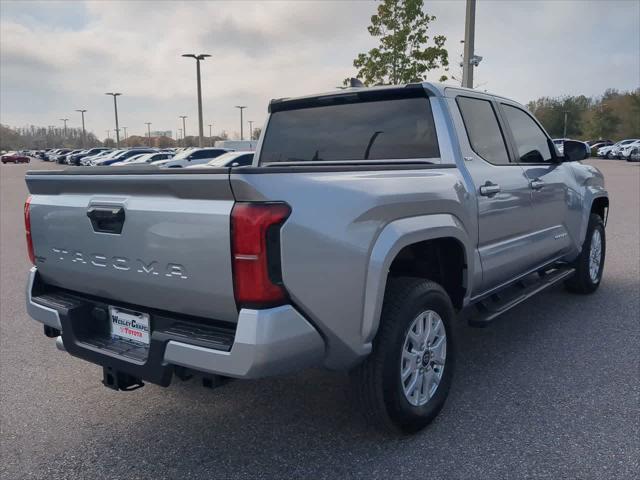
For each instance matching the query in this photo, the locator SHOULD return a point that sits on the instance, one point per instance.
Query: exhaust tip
(60, 344)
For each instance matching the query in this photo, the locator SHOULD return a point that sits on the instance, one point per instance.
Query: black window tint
(530, 140)
(200, 154)
(483, 129)
(244, 160)
(207, 154)
(376, 130)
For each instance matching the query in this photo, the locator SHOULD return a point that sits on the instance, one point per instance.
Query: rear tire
(383, 383)
(590, 264)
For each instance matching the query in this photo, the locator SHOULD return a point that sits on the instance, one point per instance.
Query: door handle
(537, 184)
(106, 219)
(489, 189)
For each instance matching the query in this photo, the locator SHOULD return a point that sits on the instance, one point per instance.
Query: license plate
(129, 325)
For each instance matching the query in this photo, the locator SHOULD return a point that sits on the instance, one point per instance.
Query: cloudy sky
(56, 57)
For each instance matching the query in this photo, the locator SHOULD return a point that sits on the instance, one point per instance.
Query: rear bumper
(265, 342)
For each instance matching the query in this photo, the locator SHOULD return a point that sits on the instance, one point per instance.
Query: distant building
(162, 133)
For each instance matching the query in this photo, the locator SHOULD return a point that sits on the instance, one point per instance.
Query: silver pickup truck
(370, 218)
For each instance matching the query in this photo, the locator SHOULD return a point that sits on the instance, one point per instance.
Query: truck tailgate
(172, 252)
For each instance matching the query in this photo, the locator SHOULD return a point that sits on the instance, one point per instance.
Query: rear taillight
(255, 247)
(27, 229)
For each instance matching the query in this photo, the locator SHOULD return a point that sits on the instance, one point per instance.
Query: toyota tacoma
(368, 221)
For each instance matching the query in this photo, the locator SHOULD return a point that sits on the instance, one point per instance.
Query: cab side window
(530, 140)
(244, 160)
(483, 129)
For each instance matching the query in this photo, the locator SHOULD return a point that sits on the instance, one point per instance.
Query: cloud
(56, 57)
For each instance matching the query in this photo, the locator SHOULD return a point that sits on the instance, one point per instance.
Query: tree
(109, 143)
(255, 135)
(164, 142)
(403, 55)
(551, 112)
(603, 123)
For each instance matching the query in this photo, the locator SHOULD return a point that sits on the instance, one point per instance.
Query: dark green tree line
(615, 115)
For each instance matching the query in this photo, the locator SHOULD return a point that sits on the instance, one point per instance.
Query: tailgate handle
(106, 219)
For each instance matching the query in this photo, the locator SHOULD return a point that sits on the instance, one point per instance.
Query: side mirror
(574, 151)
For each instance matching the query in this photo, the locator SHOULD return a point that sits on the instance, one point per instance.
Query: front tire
(590, 263)
(403, 384)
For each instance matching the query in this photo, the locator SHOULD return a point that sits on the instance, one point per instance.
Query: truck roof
(433, 89)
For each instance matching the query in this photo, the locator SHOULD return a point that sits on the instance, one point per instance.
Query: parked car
(127, 160)
(613, 151)
(193, 156)
(120, 156)
(342, 247)
(90, 158)
(246, 145)
(599, 143)
(634, 156)
(593, 143)
(58, 154)
(229, 159)
(147, 158)
(15, 157)
(48, 156)
(625, 150)
(74, 159)
(62, 157)
(114, 153)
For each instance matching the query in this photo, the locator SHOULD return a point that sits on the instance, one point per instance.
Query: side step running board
(495, 305)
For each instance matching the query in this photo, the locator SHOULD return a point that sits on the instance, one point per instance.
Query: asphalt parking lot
(551, 390)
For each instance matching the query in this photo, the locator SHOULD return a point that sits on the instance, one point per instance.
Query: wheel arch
(600, 206)
(443, 232)
(595, 200)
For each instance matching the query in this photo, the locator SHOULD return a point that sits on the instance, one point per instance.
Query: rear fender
(393, 238)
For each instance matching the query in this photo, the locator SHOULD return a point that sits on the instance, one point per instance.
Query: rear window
(376, 130)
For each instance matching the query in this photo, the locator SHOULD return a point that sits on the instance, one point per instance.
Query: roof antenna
(355, 83)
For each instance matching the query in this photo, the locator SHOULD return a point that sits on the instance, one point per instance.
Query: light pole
(210, 136)
(564, 134)
(469, 36)
(148, 124)
(125, 133)
(250, 129)
(65, 120)
(84, 133)
(199, 57)
(108, 134)
(184, 130)
(179, 135)
(115, 107)
(241, 107)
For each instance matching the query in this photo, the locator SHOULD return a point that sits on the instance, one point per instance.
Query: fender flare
(392, 239)
(592, 193)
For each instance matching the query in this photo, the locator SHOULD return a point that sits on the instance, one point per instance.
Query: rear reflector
(255, 244)
(27, 229)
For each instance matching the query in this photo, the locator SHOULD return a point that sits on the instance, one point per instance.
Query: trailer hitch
(119, 380)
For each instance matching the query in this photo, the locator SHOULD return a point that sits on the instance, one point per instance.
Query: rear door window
(483, 130)
(371, 130)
